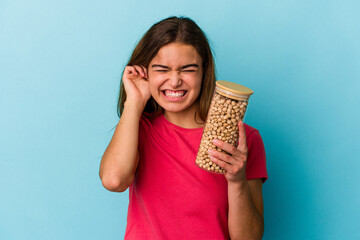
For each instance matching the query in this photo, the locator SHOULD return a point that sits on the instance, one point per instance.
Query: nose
(175, 79)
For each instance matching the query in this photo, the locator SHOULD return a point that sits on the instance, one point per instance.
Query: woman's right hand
(136, 84)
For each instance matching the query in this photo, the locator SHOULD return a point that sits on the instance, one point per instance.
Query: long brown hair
(174, 29)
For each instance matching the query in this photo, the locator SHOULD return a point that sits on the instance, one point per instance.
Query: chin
(173, 109)
(176, 108)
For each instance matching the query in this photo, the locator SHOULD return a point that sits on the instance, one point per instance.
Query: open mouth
(174, 94)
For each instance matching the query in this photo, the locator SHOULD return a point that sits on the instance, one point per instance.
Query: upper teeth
(174, 93)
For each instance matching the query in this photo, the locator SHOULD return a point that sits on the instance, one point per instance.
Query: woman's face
(175, 76)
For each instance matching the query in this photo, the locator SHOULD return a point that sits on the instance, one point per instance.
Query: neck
(185, 119)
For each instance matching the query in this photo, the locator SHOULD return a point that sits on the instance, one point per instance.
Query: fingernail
(215, 141)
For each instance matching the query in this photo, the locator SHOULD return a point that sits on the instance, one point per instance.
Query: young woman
(164, 99)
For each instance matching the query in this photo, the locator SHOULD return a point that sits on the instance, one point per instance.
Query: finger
(220, 163)
(131, 70)
(227, 147)
(140, 70)
(242, 146)
(145, 71)
(221, 156)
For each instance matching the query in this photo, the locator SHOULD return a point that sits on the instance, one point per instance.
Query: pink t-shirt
(172, 198)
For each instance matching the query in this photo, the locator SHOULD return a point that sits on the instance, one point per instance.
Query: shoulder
(249, 130)
(148, 117)
(253, 137)
(149, 120)
(147, 127)
(256, 161)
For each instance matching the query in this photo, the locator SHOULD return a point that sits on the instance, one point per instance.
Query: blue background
(60, 68)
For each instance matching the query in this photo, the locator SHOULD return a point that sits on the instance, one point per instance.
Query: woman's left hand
(235, 161)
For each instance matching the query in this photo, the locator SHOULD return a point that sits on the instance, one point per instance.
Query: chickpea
(221, 123)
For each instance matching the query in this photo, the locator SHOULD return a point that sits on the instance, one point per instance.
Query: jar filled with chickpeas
(228, 106)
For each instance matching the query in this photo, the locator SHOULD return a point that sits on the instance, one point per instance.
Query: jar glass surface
(227, 108)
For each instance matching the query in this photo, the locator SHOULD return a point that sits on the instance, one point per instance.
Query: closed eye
(188, 70)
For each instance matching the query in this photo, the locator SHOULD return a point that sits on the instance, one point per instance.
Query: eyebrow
(183, 67)
(190, 65)
(158, 65)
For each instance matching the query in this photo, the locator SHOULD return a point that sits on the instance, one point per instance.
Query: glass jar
(228, 106)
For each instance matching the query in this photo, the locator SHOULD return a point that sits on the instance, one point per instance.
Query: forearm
(244, 222)
(120, 159)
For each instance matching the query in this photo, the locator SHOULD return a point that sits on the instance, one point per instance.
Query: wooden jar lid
(233, 90)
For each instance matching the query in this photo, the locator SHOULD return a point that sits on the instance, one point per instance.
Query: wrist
(139, 106)
(135, 107)
(239, 186)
